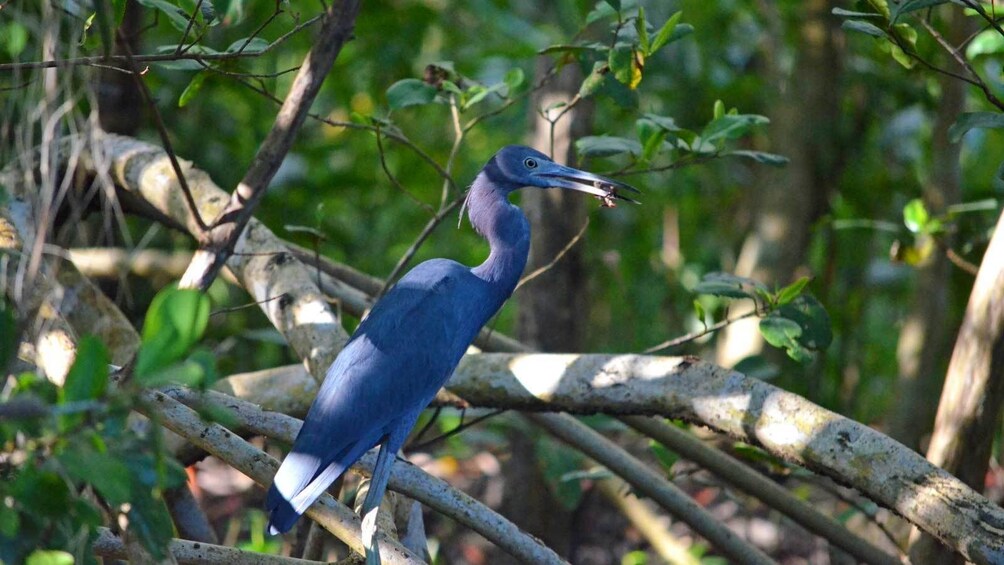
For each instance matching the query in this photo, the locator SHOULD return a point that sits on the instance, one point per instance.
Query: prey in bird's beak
(608, 191)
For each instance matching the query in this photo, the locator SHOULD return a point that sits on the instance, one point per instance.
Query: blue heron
(406, 349)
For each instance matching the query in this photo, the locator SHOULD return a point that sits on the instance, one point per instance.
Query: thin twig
(156, 57)
(165, 138)
(397, 184)
(460, 427)
(216, 245)
(977, 80)
(568, 246)
(426, 232)
(245, 306)
(695, 335)
(188, 29)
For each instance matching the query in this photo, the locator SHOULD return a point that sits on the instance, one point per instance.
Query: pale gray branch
(109, 545)
(405, 478)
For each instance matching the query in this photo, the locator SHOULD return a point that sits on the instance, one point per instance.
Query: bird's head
(520, 166)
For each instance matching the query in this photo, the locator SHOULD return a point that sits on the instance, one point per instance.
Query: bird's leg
(371, 506)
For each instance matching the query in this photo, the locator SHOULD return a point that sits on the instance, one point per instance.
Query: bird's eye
(530, 163)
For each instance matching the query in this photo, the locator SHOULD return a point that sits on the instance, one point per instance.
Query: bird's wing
(388, 372)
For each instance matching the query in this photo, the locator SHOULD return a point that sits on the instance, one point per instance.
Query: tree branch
(218, 243)
(108, 545)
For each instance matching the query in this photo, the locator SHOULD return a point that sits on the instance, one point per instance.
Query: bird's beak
(603, 188)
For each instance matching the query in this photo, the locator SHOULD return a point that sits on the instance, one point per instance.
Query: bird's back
(397, 359)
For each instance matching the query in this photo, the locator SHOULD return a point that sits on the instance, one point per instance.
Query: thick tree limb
(148, 185)
(109, 545)
(218, 243)
(219, 441)
(405, 478)
(747, 409)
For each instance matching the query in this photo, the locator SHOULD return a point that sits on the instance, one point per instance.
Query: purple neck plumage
(503, 225)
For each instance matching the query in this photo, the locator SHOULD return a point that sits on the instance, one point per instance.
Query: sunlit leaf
(594, 80)
(792, 291)
(175, 320)
(88, 376)
(668, 32)
(915, 216)
(49, 557)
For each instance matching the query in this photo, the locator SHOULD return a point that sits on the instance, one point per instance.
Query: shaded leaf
(762, 157)
(177, 16)
(852, 14)
(732, 126)
(728, 286)
(110, 476)
(863, 27)
(757, 367)
(907, 6)
(971, 120)
(592, 83)
(409, 92)
(193, 88)
(605, 146)
(88, 376)
(513, 79)
(255, 45)
(150, 522)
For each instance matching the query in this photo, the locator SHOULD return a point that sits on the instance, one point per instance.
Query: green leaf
(49, 557)
(175, 15)
(176, 320)
(757, 367)
(665, 457)
(88, 376)
(15, 38)
(915, 216)
(150, 522)
(109, 475)
(664, 122)
(255, 45)
(852, 14)
(642, 30)
(513, 79)
(592, 83)
(604, 146)
(193, 88)
(987, 42)
(971, 120)
(700, 313)
(577, 48)
(728, 286)
(762, 157)
(719, 110)
(409, 92)
(801, 327)
(732, 126)
(556, 461)
(627, 64)
(615, 4)
(666, 33)
(907, 6)
(784, 333)
(10, 521)
(863, 27)
(792, 291)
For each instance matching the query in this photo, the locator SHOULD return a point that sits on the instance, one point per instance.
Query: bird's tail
(296, 486)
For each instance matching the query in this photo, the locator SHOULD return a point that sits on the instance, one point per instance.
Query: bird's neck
(506, 229)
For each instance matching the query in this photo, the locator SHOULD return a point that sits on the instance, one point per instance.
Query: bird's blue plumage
(412, 340)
